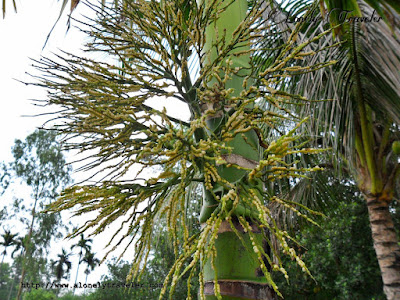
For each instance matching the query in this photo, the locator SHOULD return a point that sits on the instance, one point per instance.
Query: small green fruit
(396, 147)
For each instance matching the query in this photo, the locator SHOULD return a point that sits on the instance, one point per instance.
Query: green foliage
(363, 121)
(5, 280)
(83, 244)
(396, 147)
(339, 255)
(161, 259)
(151, 281)
(71, 296)
(8, 240)
(4, 179)
(39, 294)
(149, 288)
(62, 266)
(39, 164)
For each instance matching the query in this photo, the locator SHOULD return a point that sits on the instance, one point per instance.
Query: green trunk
(226, 25)
(238, 270)
(234, 261)
(236, 265)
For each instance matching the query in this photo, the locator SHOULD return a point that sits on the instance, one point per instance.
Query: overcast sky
(22, 37)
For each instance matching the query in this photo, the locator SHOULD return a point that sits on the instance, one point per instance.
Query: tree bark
(386, 245)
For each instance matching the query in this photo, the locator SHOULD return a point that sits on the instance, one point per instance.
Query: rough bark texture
(386, 246)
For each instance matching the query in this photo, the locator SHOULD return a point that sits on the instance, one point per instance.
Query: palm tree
(19, 246)
(19, 250)
(362, 124)
(84, 245)
(9, 240)
(91, 263)
(365, 130)
(62, 265)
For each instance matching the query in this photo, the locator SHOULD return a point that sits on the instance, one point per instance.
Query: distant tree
(91, 263)
(9, 240)
(83, 245)
(149, 290)
(71, 296)
(117, 273)
(39, 294)
(6, 274)
(158, 267)
(19, 246)
(40, 164)
(4, 180)
(62, 266)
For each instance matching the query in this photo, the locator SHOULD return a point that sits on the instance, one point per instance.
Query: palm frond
(368, 62)
(378, 62)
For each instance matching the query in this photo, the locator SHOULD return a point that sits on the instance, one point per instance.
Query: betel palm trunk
(236, 269)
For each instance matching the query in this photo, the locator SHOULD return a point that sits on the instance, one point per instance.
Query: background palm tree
(19, 246)
(62, 266)
(84, 247)
(9, 240)
(362, 123)
(91, 263)
(19, 249)
(39, 163)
